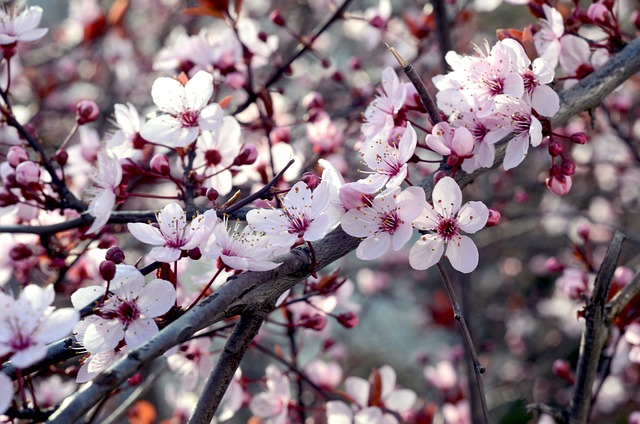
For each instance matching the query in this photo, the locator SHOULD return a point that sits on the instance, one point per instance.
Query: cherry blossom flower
(6, 392)
(29, 323)
(388, 159)
(632, 336)
(192, 361)
(94, 363)
(107, 178)
(324, 134)
(386, 222)
(243, 250)
(340, 413)
(52, 390)
(547, 39)
(446, 219)
(516, 115)
(216, 151)
(458, 413)
(186, 110)
(173, 235)
(21, 28)
(380, 114)
(446, 140)
(126, 139)
(578, 60)
(390, 397)
(127, 312)
(324, 374)
(443, 376)
(302, 216)
(272, 406)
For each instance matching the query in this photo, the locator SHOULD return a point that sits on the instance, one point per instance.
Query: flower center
(521, 123)
(495, 86)
(447, 228)
(390, 222)
(189, 118)
(128, 312)
(530, 82)
(213, 157)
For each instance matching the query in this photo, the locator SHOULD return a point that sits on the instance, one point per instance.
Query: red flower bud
(555, 148)
(311, 180)
(16, 155)
(212, 194)
(348, 319)
(19, 252)
(107, 270)
(494, 218)
(248, 155)
(86, 111)
(115, 255)
(194, 253)
(567, 167)
(61, 157)
(160, 164)
(316, 322)
(562, 369)
(277, 18)
(578, 138)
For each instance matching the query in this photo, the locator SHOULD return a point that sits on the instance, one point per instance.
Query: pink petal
(156, 298)
(358, 389)
(426, 252)
(139, 332)
(26, 357)
(6, 392)
(210, 117)
(57, 325)
(198, 90)
(517, 149)
(85, 295)
(374, 246)
(168, 95)
(102, 336)
(400, 400)
(408, 143)
(463, 254)
(146, 233)
(318, 228)
(472, 217)
(447, 197)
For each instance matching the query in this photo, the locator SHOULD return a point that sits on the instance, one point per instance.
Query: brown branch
(594, 336)
(228, 362)
(444, 36)
(252, 288)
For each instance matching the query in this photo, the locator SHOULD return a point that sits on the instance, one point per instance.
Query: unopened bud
(27, 172)
(107, 270)
(86, 111)
(19, 252)
(61, 157)
(277, 18)
(567, 167)
(583, 231)
(562, 369)
(115, 255)
(248, 155)
(553, 265)
(578, 138)
(326, 63)
(316, 322)
(313, 100)
(160, 164)
(212, 194)
(107, 241)
(337, 77)
(280, 135)
(311, 180)
(16, 155)
(7, 198)
(348, 319)
(129, 166)
(438, 176)
(194, 254)
(494, 218)
(378, 22)
(555, 148)
(135, 380)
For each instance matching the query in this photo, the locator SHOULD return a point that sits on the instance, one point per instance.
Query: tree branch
(228, 362)
(252, 288)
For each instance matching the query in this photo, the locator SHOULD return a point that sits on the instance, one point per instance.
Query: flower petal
(146, 233)
(140, 331)
(463, 254)
(447, 197)
(473, 217)
(426, 252)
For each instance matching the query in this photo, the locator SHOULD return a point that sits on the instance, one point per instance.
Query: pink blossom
(380, 114)
(186, 110)
(192, 361)
(324, 374)
(388, 158)
(173, 235)
(573, 283)
(340, 413)
(391, 397)
(272, 406)
(126, 139)
(29, 323)
(127, 312)
(302, 216)
(324, 134)
(21, 27)
(95, 363)
(446, 219)
(27, 173)
(559, 184)
(446, 140)
(107, 178)
(52, 390)
(443, 376)
(547, 39)
(459, 413)
(386, 222)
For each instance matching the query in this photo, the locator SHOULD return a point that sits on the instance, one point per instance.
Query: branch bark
(253, 288)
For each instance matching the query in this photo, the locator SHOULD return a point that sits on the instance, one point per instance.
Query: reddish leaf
(225, 102)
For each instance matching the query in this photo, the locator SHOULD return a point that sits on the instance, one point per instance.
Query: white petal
(358, 390)
(57, 325)
(140, 331)
(168, 95)
(103, 336)
(210, 117)
(318, 228)
(84, 296)
(165, 254)
(426, 252)
(156, 298)
(407, 145)
(401, 400)
(447, 197)
(545, 101)
(401, 236)
(374, 247)
(198, 90)
(387, 379)
(26, 357)
(517, 149)
(6, 392)
(146, 233)
(463, 254)
(473, 216)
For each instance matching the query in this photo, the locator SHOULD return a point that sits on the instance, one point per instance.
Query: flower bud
(326, 63)
(597, 12)
(438, 176)
(337, 77)
(313, 100)
(560, 184)
(583, 231)
(494, 218)
(277, 18)
(86, 111)
(27, 172)
(248, 155)
(7, 198)
(552, 264)
(107, 270)
(578, 138)
(160, 164)
(194, 253)
(562, 369)
(567, 167)
(107, 241)
(235, 80)
(19, 252)
(316, 322)
(129, 167)
(212, 194)
(16, 155)
(348, 319)
(61, 157)
(555, 148)
(115, 255)
(311, 180)
(280, 135)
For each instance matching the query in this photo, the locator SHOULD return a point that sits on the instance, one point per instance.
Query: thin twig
(478, 369)
(228, 362)
(423, 93)
(444, 36)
